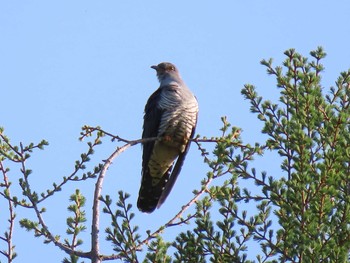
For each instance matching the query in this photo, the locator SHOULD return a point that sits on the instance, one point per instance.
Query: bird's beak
(155, 67)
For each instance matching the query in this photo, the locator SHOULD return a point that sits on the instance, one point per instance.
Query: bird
(170, 116)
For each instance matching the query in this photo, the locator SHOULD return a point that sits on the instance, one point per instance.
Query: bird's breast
(177, 125)
(180, 108)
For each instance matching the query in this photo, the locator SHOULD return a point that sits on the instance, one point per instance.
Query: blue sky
(64, 64)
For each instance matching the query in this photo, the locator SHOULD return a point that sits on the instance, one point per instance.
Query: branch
(172, 222)
(95, 254)
(89, 130)
(10, 254)
(45, 230)
(79, 165)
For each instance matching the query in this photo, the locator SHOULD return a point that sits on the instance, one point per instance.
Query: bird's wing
(177, 169)
(149, 192)
(152, 118)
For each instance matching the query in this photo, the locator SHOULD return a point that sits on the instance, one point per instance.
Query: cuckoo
(171, 117)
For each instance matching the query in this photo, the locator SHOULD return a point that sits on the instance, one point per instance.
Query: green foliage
(16, 156)
(122, 234)
(75, 224)
(310, 131)
(10, 153)
(302, 214)
(157, 251)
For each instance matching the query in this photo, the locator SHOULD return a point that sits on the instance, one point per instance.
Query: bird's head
(166, 69)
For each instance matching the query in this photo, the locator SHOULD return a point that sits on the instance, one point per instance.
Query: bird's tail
(151, 190)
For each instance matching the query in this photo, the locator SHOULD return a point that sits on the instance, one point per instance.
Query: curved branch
(95, 253)
(172, 221)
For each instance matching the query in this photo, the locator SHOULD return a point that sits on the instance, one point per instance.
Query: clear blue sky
(64, 64)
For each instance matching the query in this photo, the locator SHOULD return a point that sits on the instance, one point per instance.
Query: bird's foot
(167, 138)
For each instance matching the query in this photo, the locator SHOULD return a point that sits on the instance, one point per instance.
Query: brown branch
(170, 223)
(8, 239)
(95, 254)
(38, 213)
(90, 130)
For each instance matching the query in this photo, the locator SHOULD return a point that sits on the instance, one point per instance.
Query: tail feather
(149, 193)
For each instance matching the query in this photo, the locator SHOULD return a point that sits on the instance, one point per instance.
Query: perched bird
(171, 116)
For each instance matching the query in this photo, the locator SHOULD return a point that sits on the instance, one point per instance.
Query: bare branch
(10, 254)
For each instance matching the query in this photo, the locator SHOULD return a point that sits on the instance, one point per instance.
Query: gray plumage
(171, 115)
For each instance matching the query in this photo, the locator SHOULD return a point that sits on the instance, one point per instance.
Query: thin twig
(9, 254)
(47, 233)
